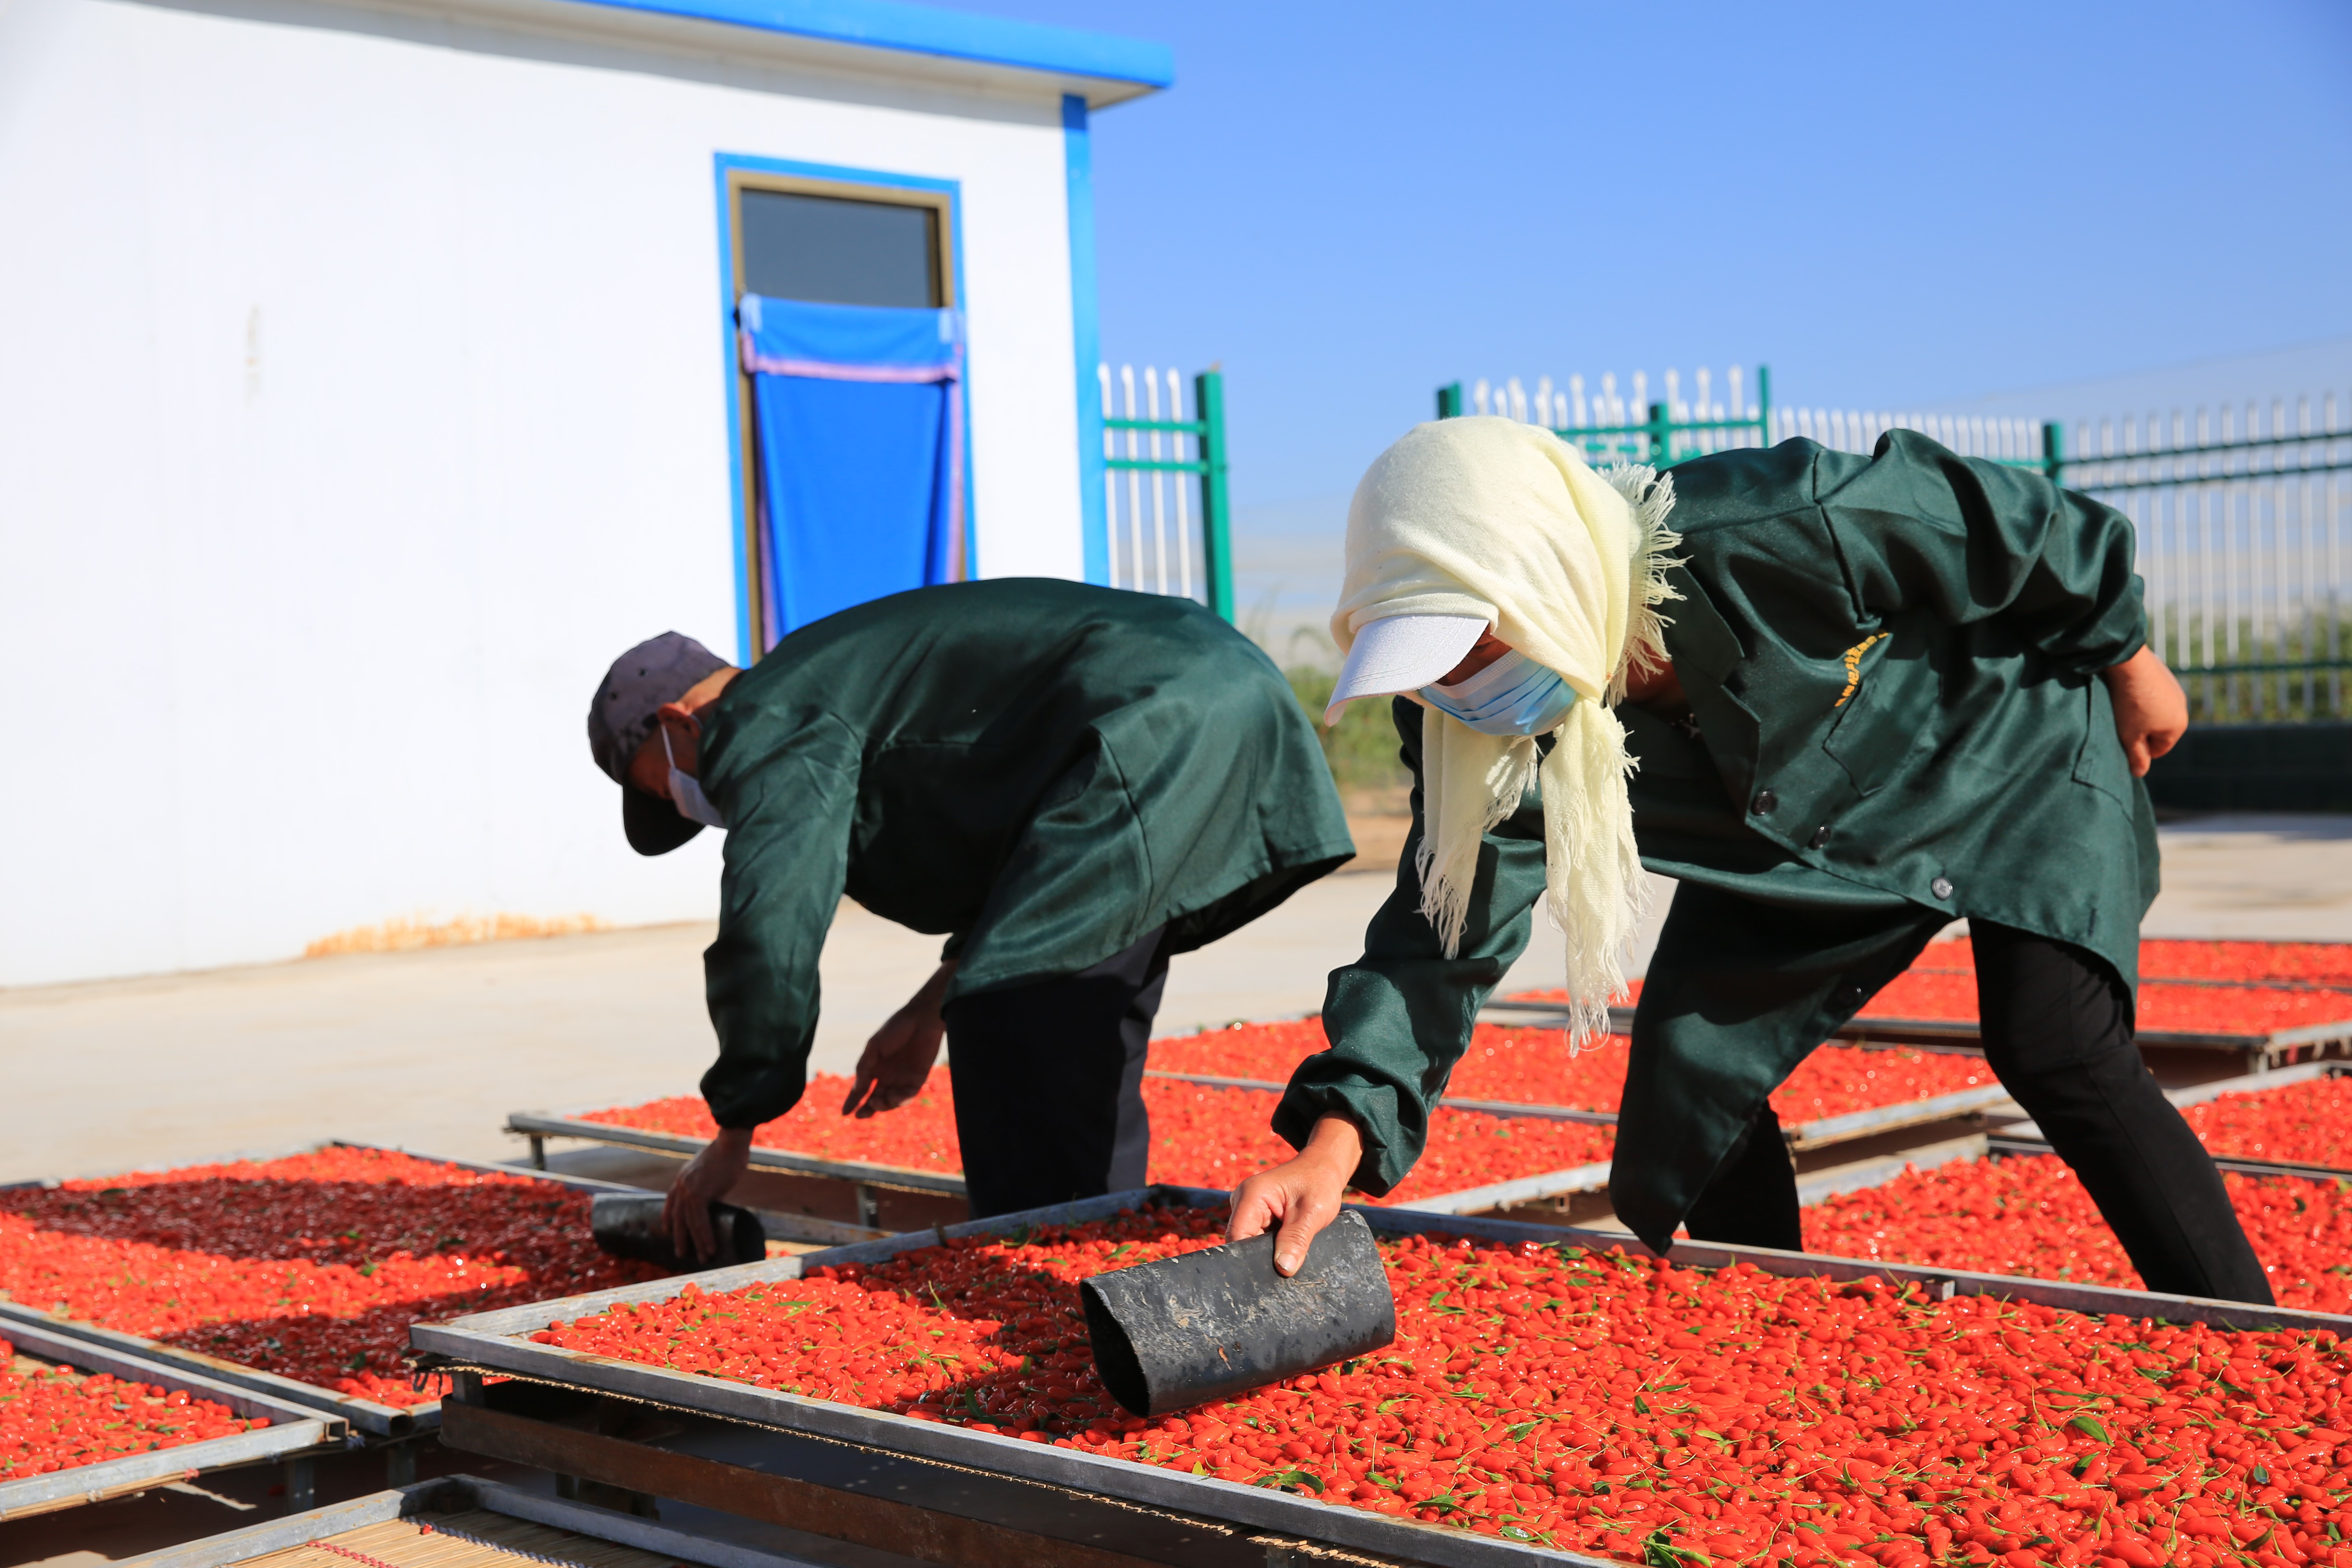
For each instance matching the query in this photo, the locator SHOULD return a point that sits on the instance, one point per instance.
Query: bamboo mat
(474, 1537)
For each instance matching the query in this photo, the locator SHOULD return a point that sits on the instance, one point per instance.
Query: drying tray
(496, 1344)
(368, 1420)
(294, 1429)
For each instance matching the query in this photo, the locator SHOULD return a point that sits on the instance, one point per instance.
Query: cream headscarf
(1492, 518)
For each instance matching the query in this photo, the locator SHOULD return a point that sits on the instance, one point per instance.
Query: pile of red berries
(56, 1418)
(311, 1267)
(1206, 1137)
(1201, 1136)
(1941, 988)
(920, 1135)
(2308, 1123)
(1262, 1051)
(1598, 1403)
(2165, 1007)
(2186, 987)
(1535, 1066)
(2029, 1216)
(2244, 963)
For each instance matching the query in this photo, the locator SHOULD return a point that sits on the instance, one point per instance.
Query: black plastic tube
(1206, 1325)
(629, 1224)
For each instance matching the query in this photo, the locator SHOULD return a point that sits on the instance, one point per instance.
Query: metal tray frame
(293, 1430)
(449, 1494)
(368, 1420)
(491, 1342)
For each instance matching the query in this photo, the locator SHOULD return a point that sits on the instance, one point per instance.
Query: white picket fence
(2243, 513)
(1137, 501)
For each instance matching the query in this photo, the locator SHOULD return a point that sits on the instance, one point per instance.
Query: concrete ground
(431, 1049)
(2274, 878)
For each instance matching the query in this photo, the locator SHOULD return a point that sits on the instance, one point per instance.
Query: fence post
(1763, 405)
(1216, 509)
(2054, 450)
(1449, 401)
(1660, 436)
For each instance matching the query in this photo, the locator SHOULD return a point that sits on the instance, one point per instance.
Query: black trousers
(2058, 1033)
(1049, 1082)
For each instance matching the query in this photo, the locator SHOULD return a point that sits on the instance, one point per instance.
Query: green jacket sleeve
(1400, 1017)
(788, 808)
(1978, 541)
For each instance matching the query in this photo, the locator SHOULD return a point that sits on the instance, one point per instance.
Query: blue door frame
(734, 172)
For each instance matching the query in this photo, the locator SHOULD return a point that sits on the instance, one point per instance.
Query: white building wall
(364, 392)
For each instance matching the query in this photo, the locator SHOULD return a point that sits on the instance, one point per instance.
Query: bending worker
(1893, 690)
(1070, 783)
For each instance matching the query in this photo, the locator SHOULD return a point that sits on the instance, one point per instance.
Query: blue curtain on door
(858, 419)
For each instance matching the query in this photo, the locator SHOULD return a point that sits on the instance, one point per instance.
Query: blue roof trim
(926, 30)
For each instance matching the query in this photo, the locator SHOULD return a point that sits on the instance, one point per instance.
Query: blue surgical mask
(685, 792)
(1512, 696)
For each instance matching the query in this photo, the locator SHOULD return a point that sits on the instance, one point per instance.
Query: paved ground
(431, 1049)
(2265, 876)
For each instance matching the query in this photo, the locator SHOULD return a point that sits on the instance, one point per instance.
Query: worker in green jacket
(1070, 783)
(1843, 699)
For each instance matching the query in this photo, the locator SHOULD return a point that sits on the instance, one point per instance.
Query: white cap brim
(1402, 653)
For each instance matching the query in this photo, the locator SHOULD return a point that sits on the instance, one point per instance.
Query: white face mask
(1512, 696)
(686, 791)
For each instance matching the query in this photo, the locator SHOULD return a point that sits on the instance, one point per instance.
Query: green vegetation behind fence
(1361, 747)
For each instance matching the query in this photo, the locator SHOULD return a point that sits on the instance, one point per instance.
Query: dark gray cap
(657, 671)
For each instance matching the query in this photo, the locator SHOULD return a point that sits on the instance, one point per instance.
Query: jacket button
(1848, 996)
(1941, 887)
(1765, 801)
(1821, 836)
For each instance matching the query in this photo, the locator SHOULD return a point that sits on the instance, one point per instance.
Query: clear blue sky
(1890, 204)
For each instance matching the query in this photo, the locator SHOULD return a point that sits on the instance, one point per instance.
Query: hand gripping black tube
(629, 1224)
(1184, 1330)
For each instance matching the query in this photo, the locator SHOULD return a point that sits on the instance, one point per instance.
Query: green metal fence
(1154, 472)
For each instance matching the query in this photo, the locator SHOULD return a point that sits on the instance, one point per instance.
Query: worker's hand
(1302, 1192)
(2151, 710)
(710, 1176)
(898, 1058)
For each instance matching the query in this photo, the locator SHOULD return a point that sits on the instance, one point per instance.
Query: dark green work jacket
(1893, 721)
(1042, 771)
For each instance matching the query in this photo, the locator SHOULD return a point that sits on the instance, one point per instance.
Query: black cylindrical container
(1183, 1330)
(629, 1224)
